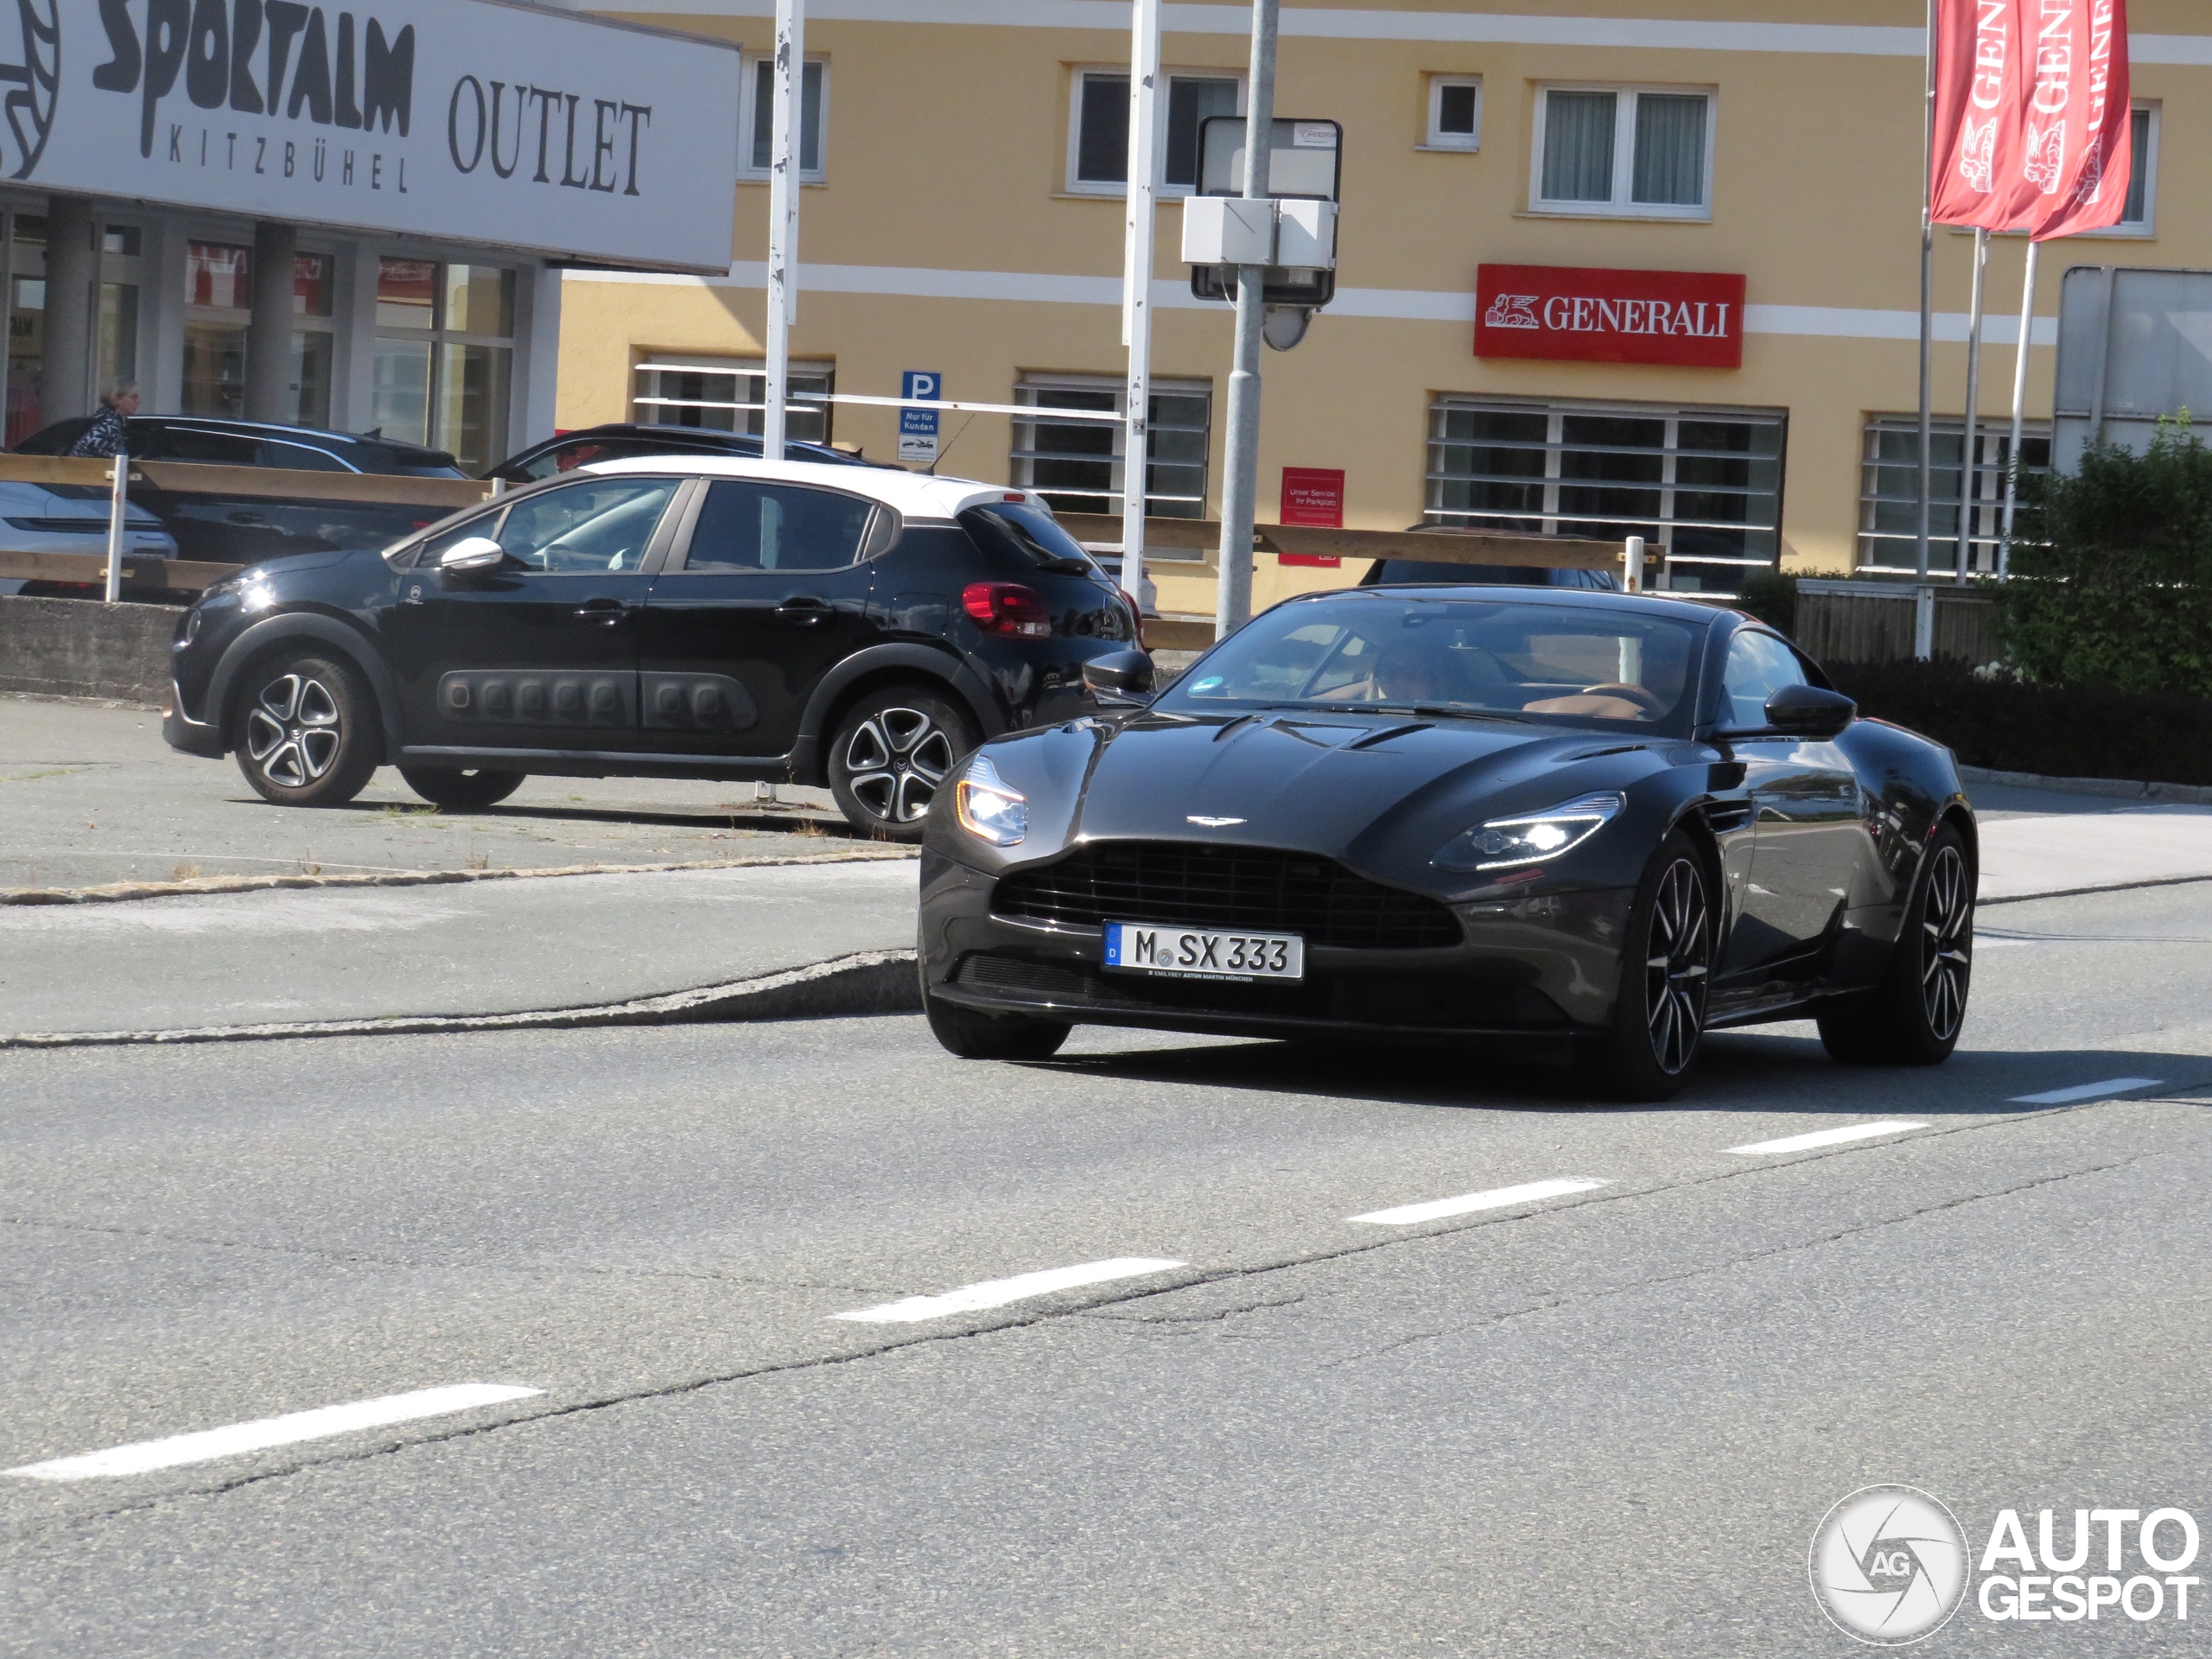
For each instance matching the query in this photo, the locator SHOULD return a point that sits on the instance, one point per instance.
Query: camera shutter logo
(1889, 1566)
(32, 82)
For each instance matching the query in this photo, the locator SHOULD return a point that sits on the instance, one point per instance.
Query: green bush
(2087, 731)
(1771, 597)
(2113, 574)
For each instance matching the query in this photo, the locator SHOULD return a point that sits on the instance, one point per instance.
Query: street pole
(118, 510)
(1136, 291)
(1240, 481)
(2019, 410)
(1969, 474)
(789, 84)
(1924, 602)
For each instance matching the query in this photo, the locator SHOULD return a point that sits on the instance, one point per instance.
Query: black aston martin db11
(1603, 823)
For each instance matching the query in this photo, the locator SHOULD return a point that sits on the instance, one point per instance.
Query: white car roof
(911, 495)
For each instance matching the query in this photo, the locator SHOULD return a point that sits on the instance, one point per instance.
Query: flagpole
(2019, 408)
(1969, 474)
(1923, 625)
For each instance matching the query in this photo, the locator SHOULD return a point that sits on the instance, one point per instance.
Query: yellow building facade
(962, 217)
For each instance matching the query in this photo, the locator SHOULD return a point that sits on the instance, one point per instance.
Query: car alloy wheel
(896, 762)
(294, 731)
(1677, 966)
(1947, 924)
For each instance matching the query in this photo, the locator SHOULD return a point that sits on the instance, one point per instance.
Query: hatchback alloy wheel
(1677, 967)
(896, 760)
(1946, 922)
(294, 731)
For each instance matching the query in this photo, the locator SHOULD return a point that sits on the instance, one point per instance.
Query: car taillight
(1008, 607)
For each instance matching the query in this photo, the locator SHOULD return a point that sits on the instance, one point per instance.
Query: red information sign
(1691, 319)
(1313, 497)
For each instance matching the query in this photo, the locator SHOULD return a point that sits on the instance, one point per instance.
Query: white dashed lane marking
(997, 1293)
(289, 1430)
(1822, 1138)
(1406, 1215)
(2087, 1091)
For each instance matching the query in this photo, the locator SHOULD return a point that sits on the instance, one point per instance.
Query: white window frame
(1993, 449)
(1437, 138)
(1622, 205)
(748, 81)
(1025, 441)
(2146, 227)
(824, 369)
(1117, 189)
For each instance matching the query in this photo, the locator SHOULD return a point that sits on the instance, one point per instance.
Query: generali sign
(476, 120)
(1690, 318)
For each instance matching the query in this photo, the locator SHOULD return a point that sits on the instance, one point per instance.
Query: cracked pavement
(1605, 1423)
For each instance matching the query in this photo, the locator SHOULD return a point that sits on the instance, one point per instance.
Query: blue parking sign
(917, 427)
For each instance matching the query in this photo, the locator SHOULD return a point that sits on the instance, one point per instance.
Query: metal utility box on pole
(1240, 482)
(790, 80)
(1136, 290)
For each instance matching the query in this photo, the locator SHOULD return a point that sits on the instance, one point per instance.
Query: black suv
(630, 441)
(238, 529)
(859, 627)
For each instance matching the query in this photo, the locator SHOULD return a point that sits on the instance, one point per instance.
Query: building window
(732, 396)
(1455, 112)
(757, 120)
(1077, 465)
(1702, 486)
(445, 356)
(315, 340)
(1098, 128)
(1889, 490)
(217, 305)
(25, 247)
(1633, 150)
(2139, 217)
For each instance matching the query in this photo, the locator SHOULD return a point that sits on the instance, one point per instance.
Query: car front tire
(1658, 1028)
(462, 792)
(308, 731)
(892, 753)
(1914, 1017)
(974, 1036)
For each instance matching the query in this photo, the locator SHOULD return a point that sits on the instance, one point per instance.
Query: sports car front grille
(1260, 888)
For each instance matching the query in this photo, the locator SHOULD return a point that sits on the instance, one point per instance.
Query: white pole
(789, 83)
(2019, 408)
(1136, 290)
(1240, 473)
(1635, 564)
(1924, 627)
(118, 506)
(1969, 474)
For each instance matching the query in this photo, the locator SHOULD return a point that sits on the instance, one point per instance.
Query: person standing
(105, 439)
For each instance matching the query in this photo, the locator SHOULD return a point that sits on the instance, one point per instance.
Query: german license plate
(1204, 953)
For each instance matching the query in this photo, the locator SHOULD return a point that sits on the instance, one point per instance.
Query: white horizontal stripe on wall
(1390, 304)
(1345, 24)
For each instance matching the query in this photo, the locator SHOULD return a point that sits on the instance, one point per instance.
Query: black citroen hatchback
(678, 617)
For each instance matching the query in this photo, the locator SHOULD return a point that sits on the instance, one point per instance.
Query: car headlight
(1502, 843)
(987, 808)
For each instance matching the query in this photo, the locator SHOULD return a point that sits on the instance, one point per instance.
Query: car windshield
(1496, 658)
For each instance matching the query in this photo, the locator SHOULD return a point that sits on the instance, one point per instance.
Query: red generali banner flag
(2078, 153)
(2031, 115)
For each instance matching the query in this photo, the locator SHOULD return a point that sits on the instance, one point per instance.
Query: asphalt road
(1605, 1421)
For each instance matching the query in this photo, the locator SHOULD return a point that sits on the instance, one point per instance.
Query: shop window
(218, 306)
(757, 119)
(2139, 216)
(25, 246)
(445, 357)
(1098, 128)
(732, 396)
(1455, 112)
(1077, 465)
(314, 348)
(1640, 152)
(1889, 490)
(1702, 486)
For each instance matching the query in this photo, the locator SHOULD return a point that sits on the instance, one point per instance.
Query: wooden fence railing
(1873, 622)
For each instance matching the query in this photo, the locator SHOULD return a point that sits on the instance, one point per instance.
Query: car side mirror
(1119, 676)
(472, 553)
(1809, 711)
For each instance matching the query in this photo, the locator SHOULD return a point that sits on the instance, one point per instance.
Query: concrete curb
(2120, 788)
(116, 891)
(865, 982)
